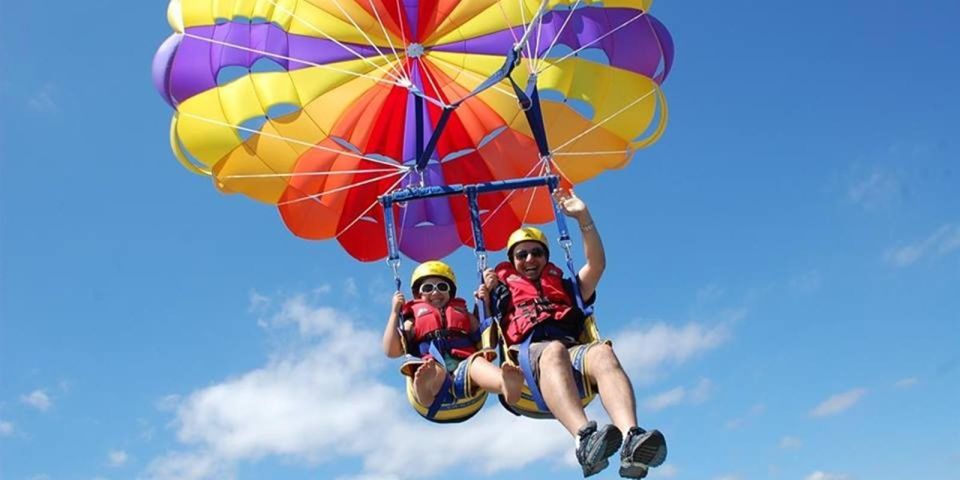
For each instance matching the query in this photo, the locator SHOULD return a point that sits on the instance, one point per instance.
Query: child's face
(435, 291)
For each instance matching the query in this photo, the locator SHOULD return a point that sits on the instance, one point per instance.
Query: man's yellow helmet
(526, 234)
(432, 268)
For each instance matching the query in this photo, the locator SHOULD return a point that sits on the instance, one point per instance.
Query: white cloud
(42, 101)
(818, 475)
(37, 399)
(838, 403)
(6, 428)
(667, 470)
(790, 442)
(879, 188)
(117, 458)
(326, 403)
(350, 287)
(666, 399)
(755, 411)
(906, 382)
(805, 283)
(697, 394)
(943, 241)
(729, 476)
(644, 352)
(701, 391)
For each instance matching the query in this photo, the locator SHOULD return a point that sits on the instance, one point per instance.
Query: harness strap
(480, 249)
(567, 244)
(444, 395)
(527, 368)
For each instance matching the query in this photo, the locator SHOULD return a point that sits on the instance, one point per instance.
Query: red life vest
(451, 326)
(533, 302)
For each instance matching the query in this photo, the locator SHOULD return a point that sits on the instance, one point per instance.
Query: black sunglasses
(523, 254)
(442, 287)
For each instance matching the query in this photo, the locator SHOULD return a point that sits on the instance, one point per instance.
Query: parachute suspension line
(607, 119)
(317, 196)
(593, 42)
(292, 59)
(475, 75)
(307, 174)
(424, 72)
(367, 210)
(295, 141)
(506, 20)
(584, 154)
(391, 72)
(383, 28)
(556, 38)
(510, 195)
(533, 194)
(402, 73)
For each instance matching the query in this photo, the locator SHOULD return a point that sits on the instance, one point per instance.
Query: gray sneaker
(595, 445)
(642, 450)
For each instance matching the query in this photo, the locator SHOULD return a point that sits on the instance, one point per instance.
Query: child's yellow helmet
(432, 268)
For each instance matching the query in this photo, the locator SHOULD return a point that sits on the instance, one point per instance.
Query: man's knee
(554, 354)
(601, 359)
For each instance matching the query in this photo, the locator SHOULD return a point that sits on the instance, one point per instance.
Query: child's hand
(482, 293)
(398, 301)
(490, 279)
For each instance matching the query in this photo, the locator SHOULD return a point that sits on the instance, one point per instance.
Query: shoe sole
(612, 438)
(653, 451)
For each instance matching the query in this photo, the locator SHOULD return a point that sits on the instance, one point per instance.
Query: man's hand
(570, 204)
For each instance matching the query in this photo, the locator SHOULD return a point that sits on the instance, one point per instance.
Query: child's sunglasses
(442, 287)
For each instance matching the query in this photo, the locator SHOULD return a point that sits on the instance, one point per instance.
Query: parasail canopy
(321, 106)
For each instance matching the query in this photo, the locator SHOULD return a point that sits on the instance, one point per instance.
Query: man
(538, 304)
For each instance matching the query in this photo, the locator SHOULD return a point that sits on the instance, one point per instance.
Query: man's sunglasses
(523, 254)
(442, 287)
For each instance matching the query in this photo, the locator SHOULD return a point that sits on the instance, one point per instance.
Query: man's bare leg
(559, 389)
(613, 385)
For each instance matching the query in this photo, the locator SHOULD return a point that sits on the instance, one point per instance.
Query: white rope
(374, 204)
(583, 154)
(533, 195)
(475, 75)
(605, 120)
(294, 141)
(425, 73)
(317, 196)
(308, 174)
(291, 59)
(369, 40)
(594, 42)
(563, 26)
(392, 73)
(393, 48)
(510, 195)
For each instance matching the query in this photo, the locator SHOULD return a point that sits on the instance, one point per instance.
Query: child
(435, 323)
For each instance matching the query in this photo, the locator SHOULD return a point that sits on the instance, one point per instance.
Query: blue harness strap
(527, 368)
(444, 395)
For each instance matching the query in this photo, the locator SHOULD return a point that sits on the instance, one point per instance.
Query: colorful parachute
(320, 106)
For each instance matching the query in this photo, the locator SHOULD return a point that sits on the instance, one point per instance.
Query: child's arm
(391, 335)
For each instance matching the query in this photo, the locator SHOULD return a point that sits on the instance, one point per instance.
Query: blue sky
(783, 287)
